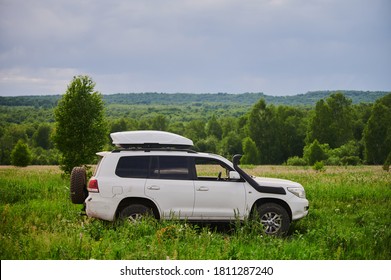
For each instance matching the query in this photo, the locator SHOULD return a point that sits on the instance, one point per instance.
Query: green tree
(118, 125)
(159, 122)
(195, 130)
(377, 133)
(332, 122)
(263, 128)
(231, 145)
(80, 123)
(250, 152)
(207, 145)
(315, 152)
(291, 131)
(11, 135)
(213, 128)
(21, 155)
(41, 136)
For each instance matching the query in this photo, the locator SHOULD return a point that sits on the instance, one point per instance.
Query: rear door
(171, 186)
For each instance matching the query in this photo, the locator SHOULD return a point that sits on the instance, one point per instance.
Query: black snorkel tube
(252, 182)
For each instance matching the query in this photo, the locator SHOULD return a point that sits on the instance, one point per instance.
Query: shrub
(319, 166)
(315, 152)
(296, 161)
(21, 155)
(350, 160)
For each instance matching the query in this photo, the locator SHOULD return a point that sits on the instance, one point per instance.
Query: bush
(350, 160)
(315, 152)
(21, 155)
(296, 161)
(318, 166)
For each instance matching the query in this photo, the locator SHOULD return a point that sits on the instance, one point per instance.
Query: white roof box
(150, 139)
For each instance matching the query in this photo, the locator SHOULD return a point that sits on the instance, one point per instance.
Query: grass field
(349, 219)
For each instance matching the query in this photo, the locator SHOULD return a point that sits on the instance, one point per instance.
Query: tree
(231, 145)
(41, 136)
(118, 125)
(263, 128)
(213, 128)
(21, 155)
(332, 122)
(377, 133)
(315, 152)
(80, 123)
(159, 122)
(291, 131)
(11, 135)
(207, 145)
(250, 152)
(195, 130)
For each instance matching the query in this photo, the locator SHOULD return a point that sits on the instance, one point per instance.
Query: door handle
(203, 189)
(154, 188)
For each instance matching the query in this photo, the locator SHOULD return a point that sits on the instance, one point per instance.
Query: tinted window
(133, 167)
(172, 167)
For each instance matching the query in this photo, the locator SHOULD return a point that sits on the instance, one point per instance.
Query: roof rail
(150, 149)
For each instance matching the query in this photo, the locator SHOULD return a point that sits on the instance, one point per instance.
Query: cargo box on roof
(150, 139)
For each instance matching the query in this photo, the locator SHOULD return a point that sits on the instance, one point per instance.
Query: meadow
(349, 219)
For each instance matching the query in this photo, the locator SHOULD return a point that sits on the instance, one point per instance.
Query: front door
(216, 196)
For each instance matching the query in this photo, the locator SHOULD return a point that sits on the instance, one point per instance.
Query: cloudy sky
(278, 47)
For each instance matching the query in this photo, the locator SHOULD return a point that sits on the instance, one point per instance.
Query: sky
(278, 47)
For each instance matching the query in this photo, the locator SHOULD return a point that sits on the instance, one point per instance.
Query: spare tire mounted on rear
(78, 185)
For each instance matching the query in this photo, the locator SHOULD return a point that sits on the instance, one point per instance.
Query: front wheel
(274, 218)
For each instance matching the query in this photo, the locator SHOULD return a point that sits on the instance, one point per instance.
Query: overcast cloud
(279, 47)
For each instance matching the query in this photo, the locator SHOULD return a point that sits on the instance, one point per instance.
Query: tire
(135, 212)
(274, 218)
(79, 191)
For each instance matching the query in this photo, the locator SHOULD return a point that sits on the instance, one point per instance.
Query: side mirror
(233, 175)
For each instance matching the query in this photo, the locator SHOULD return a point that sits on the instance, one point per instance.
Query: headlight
(297, 191)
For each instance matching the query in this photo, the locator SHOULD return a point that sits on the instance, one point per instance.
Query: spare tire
(78, 185)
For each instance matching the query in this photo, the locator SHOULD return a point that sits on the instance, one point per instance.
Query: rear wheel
(78, 185)
(274, 218)
(135, 212)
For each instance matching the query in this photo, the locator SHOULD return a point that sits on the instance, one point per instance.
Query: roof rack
(150, 149)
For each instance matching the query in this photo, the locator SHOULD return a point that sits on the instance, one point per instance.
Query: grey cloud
(276, 46)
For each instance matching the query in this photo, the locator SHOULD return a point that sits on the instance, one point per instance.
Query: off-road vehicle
(156, 173)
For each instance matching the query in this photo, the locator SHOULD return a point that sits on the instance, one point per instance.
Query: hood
(273, 182)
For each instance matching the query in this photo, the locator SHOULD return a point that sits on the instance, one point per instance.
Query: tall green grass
(349, 219)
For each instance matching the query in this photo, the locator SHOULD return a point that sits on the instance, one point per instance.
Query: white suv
(155, 173)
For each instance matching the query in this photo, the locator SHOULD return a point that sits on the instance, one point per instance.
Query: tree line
(333, 132)
(154, 98)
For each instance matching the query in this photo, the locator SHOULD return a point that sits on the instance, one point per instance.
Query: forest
(316, 128)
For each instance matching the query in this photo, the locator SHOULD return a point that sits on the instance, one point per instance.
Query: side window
(211, 169)
(170, 167)
(133, 167)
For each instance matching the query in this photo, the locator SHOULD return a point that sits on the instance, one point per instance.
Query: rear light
(93, 186)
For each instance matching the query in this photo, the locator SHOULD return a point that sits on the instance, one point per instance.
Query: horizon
(215, 93)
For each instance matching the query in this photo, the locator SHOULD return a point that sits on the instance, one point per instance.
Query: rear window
(133, 167)
(170, 167)
(155, 167)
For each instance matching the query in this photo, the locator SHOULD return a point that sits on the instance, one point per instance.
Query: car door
(171, 186)
(216, 196)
